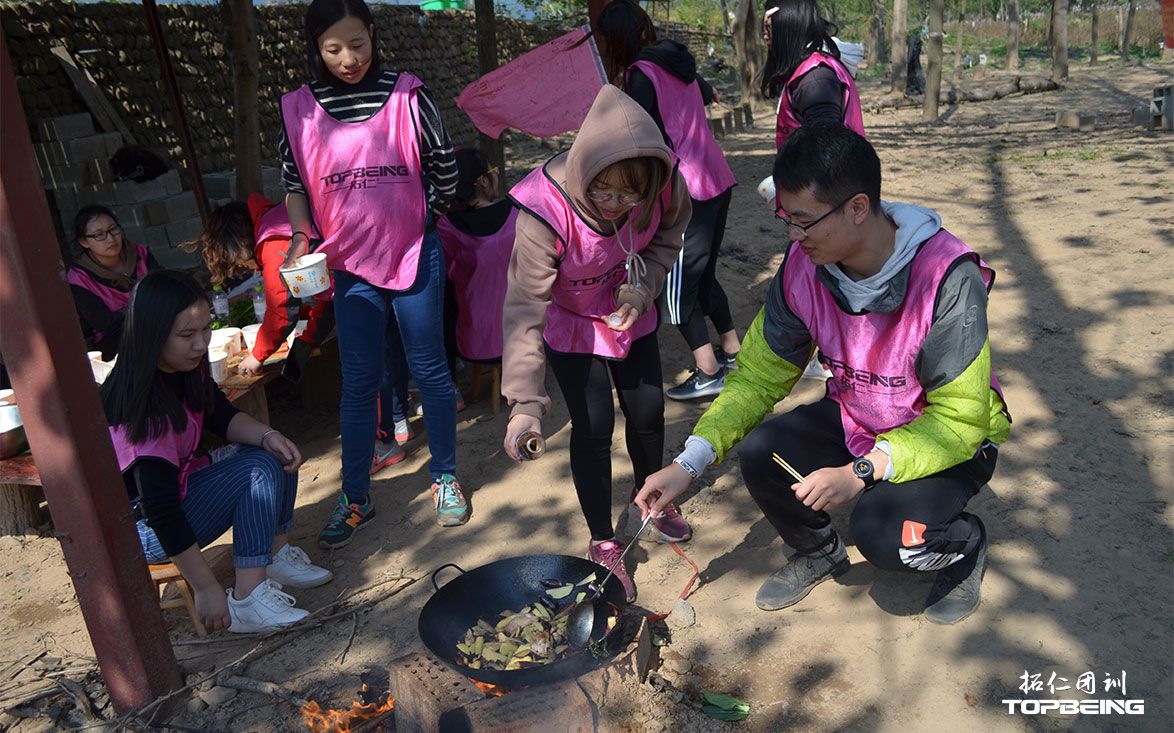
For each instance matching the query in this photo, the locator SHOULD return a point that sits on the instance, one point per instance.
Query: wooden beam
(45, 355)
(104, 112)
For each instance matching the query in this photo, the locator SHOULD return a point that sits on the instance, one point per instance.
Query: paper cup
(227, 340)
(100, 369)
(250, 335)
(218, 365)
(766, 189)
(297, 331)
(307, 276)
(92, 355)
(9, 416)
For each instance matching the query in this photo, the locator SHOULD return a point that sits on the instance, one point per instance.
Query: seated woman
(241, 238)
(478, 237)
(158, 401)
(102, 276)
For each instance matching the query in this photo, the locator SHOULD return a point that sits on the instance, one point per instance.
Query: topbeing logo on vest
(847, 373)
(368, 176)
(597, 279)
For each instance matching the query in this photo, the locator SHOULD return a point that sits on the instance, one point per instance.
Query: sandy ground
(1079, 226)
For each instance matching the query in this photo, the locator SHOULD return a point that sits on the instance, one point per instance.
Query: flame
(488, 689)
(325, 720)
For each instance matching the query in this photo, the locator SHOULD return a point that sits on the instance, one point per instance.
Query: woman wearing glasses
(600, 226)
(102, 276)
(662, 78)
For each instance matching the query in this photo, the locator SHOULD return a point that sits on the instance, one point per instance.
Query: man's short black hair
(835, 161)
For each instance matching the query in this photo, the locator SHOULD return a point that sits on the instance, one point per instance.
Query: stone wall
(111, 41)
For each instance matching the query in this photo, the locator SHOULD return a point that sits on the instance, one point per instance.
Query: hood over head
(673, 57)
(616, 128)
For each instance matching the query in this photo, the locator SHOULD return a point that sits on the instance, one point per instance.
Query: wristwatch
(864, 471)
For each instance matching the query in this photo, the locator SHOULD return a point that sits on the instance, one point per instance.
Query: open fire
(491, 690)
(367, 705)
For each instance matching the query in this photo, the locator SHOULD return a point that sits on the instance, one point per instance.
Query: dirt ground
(1080, 228)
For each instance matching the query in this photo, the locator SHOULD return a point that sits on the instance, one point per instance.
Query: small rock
(218, 695)
(765, 228)
(338, 563)
(196, 705)
(192, 680)
(677, 665)
(683, 615)
(692, 684)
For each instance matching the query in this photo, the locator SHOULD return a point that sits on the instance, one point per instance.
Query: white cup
(101, 369)
(250, 335)
(307, 275)
(226, 339)
(94, 355)
(218, 365)
(298, 330)
(766, 189)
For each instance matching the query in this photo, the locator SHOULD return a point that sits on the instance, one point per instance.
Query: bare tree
(897, 54)
(486, 29)
(1060, 41)
(933, 73)
(958, 42)
(246, 110)
(1126, 30)
(1094, 39)
(725, 10)
(1013, 35)
(876, 34)
(747, 32)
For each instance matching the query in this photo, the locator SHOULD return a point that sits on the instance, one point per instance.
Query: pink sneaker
(606, 553)
(669, 527)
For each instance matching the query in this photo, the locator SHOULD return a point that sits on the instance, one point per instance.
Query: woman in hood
(662, 78)
(599, 228)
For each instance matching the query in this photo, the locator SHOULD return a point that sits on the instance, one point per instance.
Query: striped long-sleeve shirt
(358, 102)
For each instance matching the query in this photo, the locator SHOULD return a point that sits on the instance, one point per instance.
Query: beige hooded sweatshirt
(616, 128)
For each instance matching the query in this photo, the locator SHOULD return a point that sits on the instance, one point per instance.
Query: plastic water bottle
(219, 302)
(259, 302)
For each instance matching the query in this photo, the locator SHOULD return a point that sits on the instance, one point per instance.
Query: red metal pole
(181, 120)
(45, 355)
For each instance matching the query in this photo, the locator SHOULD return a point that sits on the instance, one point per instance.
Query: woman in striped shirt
(366, 158)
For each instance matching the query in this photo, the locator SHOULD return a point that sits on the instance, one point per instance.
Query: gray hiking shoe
(791, 583)
(699, 384)
(956, 592)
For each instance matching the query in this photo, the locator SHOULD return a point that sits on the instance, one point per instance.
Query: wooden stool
(494, 386)
(167, 573)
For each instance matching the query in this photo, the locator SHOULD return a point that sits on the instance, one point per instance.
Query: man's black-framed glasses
(801, 230)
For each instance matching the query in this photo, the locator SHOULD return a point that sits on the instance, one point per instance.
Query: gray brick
(102, 194)
(270, 177)
(71, 177)
(131, 234)
(132, 192)
(98, 171)
(172, 208)
(83, 149)
(173, 258)
(66, 127)
(220, 185)
(112, 141)
(63, 199)
(170, 181)
(182, 232)
(51, 153)
(131, 215)
(154, 238)
(276, 194)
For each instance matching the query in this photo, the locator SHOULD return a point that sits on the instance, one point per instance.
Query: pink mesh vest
(704, 167)
(478, 267)
(591, 267)
(364, 182)
(786, 122)
(178, 449)
(114, 298)
(873, 355)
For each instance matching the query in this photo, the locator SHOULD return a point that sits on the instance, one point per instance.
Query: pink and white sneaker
(606, 553)
(670, 526)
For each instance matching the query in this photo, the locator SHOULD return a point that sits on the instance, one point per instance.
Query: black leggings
(586, 383)
(691, 290)
(915, 525)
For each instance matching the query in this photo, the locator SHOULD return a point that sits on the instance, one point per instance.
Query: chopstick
(786, 466)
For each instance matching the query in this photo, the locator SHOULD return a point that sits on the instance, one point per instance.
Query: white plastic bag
(851, 54)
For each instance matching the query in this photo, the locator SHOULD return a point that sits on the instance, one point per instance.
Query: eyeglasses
(801, 230)
(604, 197)
(113, 231)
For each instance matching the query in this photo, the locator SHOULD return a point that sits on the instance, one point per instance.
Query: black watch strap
(865, 471)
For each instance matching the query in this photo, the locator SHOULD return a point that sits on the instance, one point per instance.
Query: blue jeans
(368, 318)
(245, 488)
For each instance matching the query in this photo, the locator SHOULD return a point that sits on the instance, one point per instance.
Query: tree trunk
(1094, 39)
(725, 10)
(19, 508)
(958, 42)
(487, 62)
(747, 32)
(246, 110)
(1013, 36)
(1060, 44)
(1127, 32)
(933, 74)
(897, 53)
(876, 34)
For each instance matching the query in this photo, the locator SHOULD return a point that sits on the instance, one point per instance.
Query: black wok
(513, 583)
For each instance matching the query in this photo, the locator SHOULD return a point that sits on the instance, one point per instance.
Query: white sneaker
(265, 609)
(291, 566)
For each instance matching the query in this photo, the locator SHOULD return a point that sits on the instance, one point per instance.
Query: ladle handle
(620, 559)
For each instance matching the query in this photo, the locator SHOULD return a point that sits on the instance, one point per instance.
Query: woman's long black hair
(320, 16)
(135, 393)
(796, 31)
(625, 29)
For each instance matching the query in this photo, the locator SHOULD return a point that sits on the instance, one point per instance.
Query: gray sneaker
(957, 590)
(724, 358)
(699, 384)
(791, 583)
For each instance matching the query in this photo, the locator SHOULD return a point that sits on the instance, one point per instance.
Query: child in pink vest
(158, 401)
(662, 78)
(599, 228)
(368, 162)
(909, 427)
(102, 275)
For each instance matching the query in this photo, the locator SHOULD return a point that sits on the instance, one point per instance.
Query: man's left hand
(828, 488)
